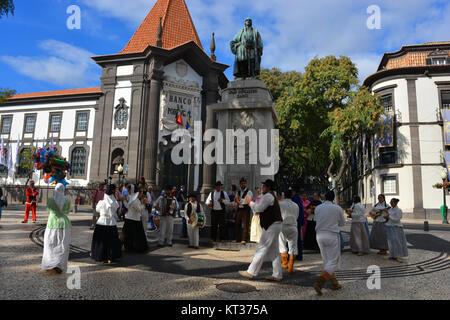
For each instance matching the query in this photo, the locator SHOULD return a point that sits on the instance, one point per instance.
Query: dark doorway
(174, 175)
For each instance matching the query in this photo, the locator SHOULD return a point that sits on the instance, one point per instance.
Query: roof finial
(213, 48)
(159, 34)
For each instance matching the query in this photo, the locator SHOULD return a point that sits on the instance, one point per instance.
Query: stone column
(103, 125)
(151, 134)
(210, 96)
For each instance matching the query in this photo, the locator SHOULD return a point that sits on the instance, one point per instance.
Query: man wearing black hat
(217, 201)
(242, 225)
(268, 246)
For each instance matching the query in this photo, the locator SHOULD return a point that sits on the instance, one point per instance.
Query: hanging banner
(178, 109)
(447, 163)
(446, 118)
(385, 135)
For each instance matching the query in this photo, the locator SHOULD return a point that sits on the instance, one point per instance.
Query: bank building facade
(161, 81)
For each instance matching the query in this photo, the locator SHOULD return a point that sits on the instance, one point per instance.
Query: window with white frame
(390, 185)
(6, 125)
(55, 122)
(30, 122)
(387, 103)
(82, 121)
(78, 161)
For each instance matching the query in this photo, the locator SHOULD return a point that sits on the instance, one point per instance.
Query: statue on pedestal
(247, 45)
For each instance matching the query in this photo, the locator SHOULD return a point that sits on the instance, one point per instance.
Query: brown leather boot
(320, 282)
(284, 260)
(290, 268)
(334, 283)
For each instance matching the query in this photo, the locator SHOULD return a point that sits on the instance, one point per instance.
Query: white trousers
(289, 234)
(268, 249)
(330, 249)
(193, 235)
(144, 218)
(166, 229)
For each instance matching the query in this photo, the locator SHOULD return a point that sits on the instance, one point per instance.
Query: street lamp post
(445, 208)
(120, 170)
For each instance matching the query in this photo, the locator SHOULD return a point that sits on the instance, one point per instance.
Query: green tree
(5, 94)
(6, 7)
(26, 163)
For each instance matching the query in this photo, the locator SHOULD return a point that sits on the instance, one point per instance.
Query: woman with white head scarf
(135, 239)
(57, 233)
(105, 241)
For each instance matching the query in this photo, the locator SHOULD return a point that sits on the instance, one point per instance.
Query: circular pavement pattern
(438, 263)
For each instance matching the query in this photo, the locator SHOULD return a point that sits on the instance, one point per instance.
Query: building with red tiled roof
(129, 117)
(414, 87)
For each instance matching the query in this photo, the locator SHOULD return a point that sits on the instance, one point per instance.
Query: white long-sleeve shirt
(194, 209)
(380, 206)
(358, 213)
(241, 195)
(108, 211)
(216, 203)
(135, 208)
(329, 217)
(289, 212)
(266, 201)
(395, 215)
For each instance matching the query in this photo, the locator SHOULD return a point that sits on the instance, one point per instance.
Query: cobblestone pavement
(182, 273)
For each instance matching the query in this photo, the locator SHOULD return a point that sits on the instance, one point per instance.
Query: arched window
(116, 160)
(78, 162)
(25, 162)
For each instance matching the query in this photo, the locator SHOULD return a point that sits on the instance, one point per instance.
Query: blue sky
(40, 53)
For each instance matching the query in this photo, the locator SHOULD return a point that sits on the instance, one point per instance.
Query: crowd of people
(283, 223)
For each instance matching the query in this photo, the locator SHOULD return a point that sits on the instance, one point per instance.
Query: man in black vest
(217, 201)
(268, 246)
(242, 225)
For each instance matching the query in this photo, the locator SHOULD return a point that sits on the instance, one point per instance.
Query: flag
(17, 151)
(10, 158)
(3, 155)
(179, 118)
(188, 122)
(52, 144)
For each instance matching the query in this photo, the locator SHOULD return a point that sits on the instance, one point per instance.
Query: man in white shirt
(166, 206)
(268, 246)
(217, 201)
(289, 231)
(242, 224)
(329, 217)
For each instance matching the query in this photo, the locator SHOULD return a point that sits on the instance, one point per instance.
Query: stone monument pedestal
(246, 105)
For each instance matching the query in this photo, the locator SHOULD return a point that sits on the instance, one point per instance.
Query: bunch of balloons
(54, 166)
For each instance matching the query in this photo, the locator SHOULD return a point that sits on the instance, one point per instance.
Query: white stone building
(414, 84)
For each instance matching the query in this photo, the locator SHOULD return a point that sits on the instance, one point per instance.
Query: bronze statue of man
(247, 45)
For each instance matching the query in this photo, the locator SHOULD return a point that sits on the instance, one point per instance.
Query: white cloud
(67, 65)
(294, 31)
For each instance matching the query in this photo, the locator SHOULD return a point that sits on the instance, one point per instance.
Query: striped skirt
(396, 242)
(378, 237)
(359, 239)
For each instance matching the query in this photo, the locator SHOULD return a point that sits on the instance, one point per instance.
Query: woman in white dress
(255, 226)
(57, 233)
(378, 237)
(396, 238)
(359, 239)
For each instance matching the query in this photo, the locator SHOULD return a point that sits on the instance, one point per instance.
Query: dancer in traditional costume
(310, 242)
(359, 239)
(289, 231)
(242, 223)
(306, 204)
(195, 217)
(32, 193)
(217, 202)
(106, 245)
(329, 217)
(57, 233)
(167, 206)
(134, 238)
(268, 246)
(255, 226)
(378, 236)
(396, 238)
